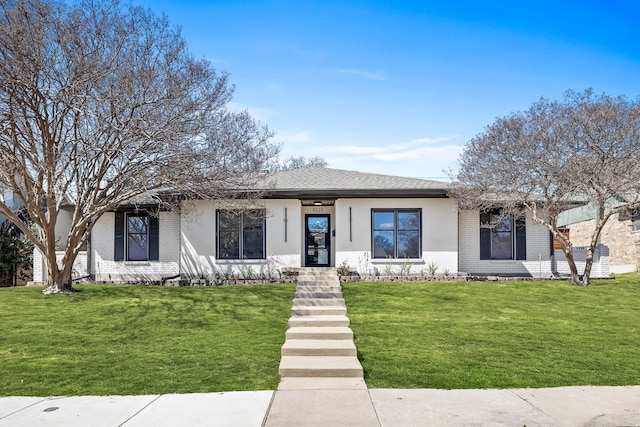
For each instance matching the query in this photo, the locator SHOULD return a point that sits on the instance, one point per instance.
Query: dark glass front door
(318, 241)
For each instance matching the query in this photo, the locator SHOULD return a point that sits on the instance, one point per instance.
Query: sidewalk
(563, 406)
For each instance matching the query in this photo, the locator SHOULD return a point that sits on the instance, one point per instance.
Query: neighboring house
(621, 234)
(315, 217)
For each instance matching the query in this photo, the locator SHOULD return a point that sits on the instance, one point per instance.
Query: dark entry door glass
(318, 241)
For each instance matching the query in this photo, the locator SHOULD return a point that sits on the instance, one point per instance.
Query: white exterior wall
(106, 269)
(285, 239)
(285, 231)
(537, 264)
(40, 268)
(450, 240)
(62, 228)
(198, 239)
(439, 234)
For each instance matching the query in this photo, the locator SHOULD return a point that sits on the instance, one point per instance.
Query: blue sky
(398, 87)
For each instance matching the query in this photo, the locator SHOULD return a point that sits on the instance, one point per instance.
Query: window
(241, 234)
(136, 237)
(502, 237)
(396, 233)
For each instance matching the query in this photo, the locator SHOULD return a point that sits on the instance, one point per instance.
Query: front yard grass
(112, 339)
(456, 335)
(122, 340)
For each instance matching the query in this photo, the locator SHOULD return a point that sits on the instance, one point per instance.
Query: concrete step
(319, 320)
(319, 348)
(319, 383)
(320, 366)
(319, 333)
(339, 302)
(319, 276)
(315, 284)
(323, 280)
(319, 294)
(318, 288)
(319, 310)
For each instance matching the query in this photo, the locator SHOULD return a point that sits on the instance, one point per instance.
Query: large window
(136, 237)
(502, 237)
(241, 234)
(396, 233)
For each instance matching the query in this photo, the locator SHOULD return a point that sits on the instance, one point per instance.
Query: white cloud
(422, 157)
(409, 150)
(418, 141)
(363, 72)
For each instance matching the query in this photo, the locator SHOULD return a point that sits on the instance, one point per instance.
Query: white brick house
(313, 217)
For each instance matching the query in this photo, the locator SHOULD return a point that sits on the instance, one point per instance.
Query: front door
(318, 240)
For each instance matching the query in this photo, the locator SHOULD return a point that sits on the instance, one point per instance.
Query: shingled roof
(328, 182)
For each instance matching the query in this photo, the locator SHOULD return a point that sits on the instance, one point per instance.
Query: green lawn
(497, 334)
(112, 339)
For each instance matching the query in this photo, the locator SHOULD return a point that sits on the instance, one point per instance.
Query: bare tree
(544, 160)
(302, 162)
(101, 104)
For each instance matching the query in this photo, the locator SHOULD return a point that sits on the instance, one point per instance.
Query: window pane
(501, 245)
(253, 234)
(408, 221)
(253, 243)
(229, 244)
(138, 247)
(502, 224)
(228, 220)
(137, 224)
(408, 244)
(137, 237)
(383, 221)
(250, 221)
(383, 244)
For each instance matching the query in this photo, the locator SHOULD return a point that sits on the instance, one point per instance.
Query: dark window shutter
(154, 238)
(485, 236)
(521, 239)
(552, 249)
(118, 252)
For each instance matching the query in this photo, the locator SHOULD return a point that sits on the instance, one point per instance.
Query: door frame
(327, 239)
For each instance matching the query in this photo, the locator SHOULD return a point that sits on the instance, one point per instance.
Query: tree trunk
(586, 277)
(576, 279)
(61, 288)
(58, 280)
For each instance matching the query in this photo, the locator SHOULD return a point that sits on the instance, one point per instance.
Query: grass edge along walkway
(460, 335)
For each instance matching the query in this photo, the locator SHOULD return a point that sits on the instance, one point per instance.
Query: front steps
(320, 366)
(319, 348)
(318, 320)
(319, 352)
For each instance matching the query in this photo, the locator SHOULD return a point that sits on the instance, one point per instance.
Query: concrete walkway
(564, 406)
(322, 380)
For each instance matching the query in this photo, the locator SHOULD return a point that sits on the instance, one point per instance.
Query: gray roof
(327, 182)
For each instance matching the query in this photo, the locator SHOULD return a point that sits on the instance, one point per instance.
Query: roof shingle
(318, 181)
